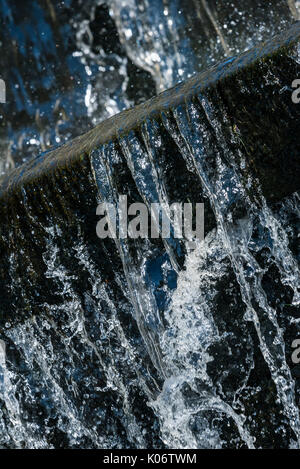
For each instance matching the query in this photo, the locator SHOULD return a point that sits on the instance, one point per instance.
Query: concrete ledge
(265, 116)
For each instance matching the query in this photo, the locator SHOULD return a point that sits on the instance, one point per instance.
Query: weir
(237, 86)
(86, 65)
(121, 343)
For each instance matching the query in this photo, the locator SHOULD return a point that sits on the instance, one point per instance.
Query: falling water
(163, 346)
(190, 392)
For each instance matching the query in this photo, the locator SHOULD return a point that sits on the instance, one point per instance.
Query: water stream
(162, 346)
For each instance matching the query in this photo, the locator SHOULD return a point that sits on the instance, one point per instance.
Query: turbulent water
(170, 347)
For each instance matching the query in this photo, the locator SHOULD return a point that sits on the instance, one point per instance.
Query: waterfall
(153, 343)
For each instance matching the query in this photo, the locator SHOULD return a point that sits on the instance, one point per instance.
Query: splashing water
(144, 343)
(172, 348)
